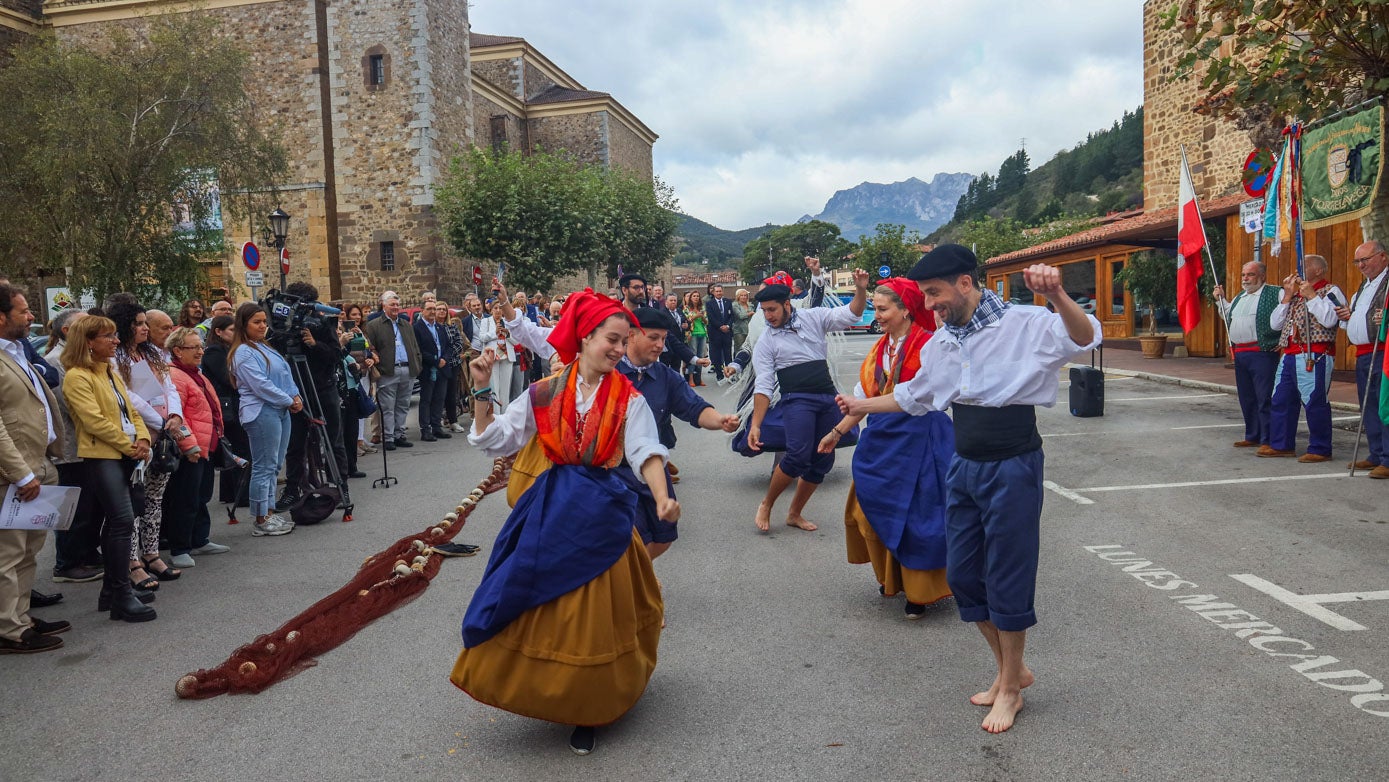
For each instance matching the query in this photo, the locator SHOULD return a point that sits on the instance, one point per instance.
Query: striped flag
(1191, 240)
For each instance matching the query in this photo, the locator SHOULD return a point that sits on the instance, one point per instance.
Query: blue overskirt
(899, 477)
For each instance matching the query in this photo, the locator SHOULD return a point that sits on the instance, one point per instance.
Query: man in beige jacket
(30, 434)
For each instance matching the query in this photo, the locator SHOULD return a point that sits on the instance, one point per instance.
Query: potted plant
(1151, 277)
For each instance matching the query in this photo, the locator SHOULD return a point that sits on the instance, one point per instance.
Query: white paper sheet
(52, 509)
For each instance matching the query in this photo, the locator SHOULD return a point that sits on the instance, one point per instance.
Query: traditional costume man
(1307, 320)
(895, 514)
(991, 364)
(793, 354)
(1254, 341)
(565, 623)
(1361, 320)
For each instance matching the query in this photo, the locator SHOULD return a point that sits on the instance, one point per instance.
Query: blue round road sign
(884, 271)
(250, 255)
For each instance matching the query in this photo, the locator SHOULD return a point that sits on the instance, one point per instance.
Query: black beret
(651, 318)
(774, 292)
(947, 260)
(625, 281)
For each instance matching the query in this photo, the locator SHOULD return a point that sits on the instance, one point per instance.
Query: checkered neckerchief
(990, 310)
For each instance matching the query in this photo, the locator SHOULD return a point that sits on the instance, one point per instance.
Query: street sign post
(255, 279)
(1251, 215)
(884, 271)
(284, 260)
(477, 275)
(250, 255)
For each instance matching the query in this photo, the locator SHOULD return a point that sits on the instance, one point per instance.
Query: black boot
(126, 606)
(103, 601)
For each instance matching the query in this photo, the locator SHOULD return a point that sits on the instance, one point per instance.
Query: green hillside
(699, 241)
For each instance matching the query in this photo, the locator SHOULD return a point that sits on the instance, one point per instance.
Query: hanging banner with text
(1342, 166)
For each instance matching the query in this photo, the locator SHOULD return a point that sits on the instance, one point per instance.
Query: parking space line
(1161, 398)
(1067, 493)
(1311, 605)
(1221, 482)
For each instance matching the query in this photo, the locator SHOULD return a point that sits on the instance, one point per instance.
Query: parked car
(38, 336)
(867, 323)
(1087, 304)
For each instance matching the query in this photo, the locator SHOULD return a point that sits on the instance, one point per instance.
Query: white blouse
(154, 400)
(514, 428)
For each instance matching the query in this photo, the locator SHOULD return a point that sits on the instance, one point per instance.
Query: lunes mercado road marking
(1073, 494)
(1366, 692)
(1311, 605)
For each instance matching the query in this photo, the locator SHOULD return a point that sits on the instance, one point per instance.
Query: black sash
(811, 377)
(992, 434)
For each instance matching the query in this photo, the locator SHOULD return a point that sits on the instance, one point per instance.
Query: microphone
(1332, 295)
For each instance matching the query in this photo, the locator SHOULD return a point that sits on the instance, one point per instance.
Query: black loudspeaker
(1087, 388)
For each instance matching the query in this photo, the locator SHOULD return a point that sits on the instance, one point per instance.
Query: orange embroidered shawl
(595, 439)
(908, 362)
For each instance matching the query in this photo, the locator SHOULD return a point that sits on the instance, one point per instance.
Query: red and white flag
(1191, 240)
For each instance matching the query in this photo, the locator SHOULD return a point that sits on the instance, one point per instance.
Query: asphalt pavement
(1161, 622)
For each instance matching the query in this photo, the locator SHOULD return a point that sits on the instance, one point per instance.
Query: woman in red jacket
(186, 521)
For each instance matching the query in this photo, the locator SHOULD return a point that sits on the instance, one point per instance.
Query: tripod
(317, 434)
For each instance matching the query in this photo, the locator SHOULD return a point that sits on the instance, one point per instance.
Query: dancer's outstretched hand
(669, 510)
(729, 423)
(481, 368)
(846, 404)
(827, 443)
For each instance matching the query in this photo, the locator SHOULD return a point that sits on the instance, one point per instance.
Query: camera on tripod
(289, 315)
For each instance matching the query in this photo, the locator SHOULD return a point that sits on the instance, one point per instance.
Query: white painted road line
(1311, 605)
(1209, 426)
(1222, 482)
(1161, 398)
(1067, 493)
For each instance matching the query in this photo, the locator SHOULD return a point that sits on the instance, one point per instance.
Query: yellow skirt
(583, 658)
(923, 587)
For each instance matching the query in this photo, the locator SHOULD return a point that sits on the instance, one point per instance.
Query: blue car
(867, 323)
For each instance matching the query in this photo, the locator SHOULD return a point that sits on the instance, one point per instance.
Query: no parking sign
(250, 255)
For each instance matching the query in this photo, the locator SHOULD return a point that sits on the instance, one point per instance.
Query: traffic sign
(250, 255)
(1251, 215)
(255, 279)
(884, 271)
(284, 260)
(1258, 169)
(477, 275)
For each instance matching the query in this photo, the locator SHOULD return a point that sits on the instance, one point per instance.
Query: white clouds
(766, 107)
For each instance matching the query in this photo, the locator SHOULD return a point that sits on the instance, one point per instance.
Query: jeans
(108, 481)
(269, 436)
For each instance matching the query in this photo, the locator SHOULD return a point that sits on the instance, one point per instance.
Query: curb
(1201, 385)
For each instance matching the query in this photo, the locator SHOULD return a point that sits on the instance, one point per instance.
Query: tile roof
(559, 94)
(1146, 225)
(479, 41)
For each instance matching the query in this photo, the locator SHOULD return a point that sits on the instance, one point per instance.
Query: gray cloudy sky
(766, 107)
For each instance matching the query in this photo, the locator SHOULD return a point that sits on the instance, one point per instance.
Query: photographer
(319, 343)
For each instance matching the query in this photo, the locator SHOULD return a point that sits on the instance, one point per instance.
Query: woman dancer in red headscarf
(897, 521)
(565, 624)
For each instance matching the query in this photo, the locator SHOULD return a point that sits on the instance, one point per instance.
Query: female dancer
(565, 624)
(897, 524)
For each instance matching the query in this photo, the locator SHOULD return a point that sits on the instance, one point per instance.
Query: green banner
(1342, 164)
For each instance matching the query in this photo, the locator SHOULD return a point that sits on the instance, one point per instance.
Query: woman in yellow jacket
(112, 440)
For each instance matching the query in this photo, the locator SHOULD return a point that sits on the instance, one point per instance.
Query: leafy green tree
(1262, 62)
(892, 240)
(789, 244)
(110, 150)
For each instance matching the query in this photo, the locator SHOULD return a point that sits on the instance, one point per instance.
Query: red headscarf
(780, 278)
(916, 303)
(583, 312)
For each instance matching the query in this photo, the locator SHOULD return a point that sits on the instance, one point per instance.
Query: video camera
(289, 315)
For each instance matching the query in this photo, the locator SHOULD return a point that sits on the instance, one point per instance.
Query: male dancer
(793, 354)
(991, 363)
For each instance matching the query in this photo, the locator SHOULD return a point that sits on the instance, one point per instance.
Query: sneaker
(460, 428)
(182, 560)
(79, 575)
(288, 501)
(211, 548)
(915, 610)
(272, 526)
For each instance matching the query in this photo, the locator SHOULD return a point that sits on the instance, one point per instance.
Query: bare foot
(1005, 710)
(801, 522)
(764, 517)
(986, 698)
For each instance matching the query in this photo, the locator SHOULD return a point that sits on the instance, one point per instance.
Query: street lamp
(279, 226)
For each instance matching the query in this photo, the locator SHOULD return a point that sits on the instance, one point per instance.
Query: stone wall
(583, 136)
(454, 129)
(28, 7)
(1215, 149)
(514, 127)
(504, 74)
(9, 38)
(628, 151)
(535, 81)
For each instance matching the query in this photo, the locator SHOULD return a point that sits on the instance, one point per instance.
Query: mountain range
(920, 206)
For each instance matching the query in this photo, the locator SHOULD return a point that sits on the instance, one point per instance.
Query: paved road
(781, 661)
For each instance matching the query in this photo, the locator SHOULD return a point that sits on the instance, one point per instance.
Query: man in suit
(719, 312)
(30, 436)
(47, 371)
(433, 344)
(394, 340)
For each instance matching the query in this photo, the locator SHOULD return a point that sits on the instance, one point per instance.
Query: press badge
(129, 429)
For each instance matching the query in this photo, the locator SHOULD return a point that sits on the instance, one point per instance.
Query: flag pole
(1205, 245)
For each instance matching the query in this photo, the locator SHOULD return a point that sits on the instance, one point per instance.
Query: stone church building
(372, 99)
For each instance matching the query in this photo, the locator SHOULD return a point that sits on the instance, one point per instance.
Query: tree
(1262, 62)
(1151, 276)
(546, 215)
(896, 242)
(115, 154)
(789, 244)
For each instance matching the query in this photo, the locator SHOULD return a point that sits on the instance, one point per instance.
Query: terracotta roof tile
(479, 41)
(1141, 226)
(559, 94)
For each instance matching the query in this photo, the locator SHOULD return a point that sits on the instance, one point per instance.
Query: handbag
(164, 456)
(366, 406)
(224, 458)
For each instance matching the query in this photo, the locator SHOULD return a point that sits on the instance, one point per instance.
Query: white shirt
(402, 356)
(884, 363)
(17, 353)
(1244, 326)
(488, 337)
(530, 336)
(1319, 307)
(1360, 306)
(154, 399)
(801, 341)
(514, 428)
(1014, 361)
